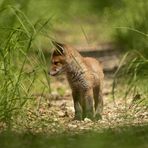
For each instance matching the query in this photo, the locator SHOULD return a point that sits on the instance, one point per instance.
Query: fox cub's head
(59, 59)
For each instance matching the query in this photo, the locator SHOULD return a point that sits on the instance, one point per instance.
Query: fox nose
(50, 73)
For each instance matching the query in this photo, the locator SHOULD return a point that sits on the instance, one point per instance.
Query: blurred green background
(121, 21)
(115, 20)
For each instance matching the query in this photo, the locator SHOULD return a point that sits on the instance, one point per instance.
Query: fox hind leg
(98, 98)
(87, 104)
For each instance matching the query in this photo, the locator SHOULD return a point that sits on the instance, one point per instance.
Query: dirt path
(57, 107)
(115, 114)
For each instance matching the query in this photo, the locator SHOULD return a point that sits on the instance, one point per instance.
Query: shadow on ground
(123, 137)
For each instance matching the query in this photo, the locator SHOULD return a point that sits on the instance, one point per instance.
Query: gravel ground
(54, 113)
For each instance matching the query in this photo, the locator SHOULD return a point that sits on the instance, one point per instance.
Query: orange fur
(85, 76)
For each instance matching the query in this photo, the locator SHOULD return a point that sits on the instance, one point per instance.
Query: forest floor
(46, 120)
(54, 112)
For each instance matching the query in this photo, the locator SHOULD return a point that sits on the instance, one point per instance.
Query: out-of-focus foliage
(18, 70)
(124, 137)
(132, 25)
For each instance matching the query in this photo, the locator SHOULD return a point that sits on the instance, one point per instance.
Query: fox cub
(85, 77)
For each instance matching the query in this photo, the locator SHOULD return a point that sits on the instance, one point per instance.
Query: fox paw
(98, 117)
(79, 118)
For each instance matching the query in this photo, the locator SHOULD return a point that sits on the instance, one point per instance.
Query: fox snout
(52, 73)
(56, 71)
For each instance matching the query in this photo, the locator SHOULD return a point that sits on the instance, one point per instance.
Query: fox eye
(56, 62)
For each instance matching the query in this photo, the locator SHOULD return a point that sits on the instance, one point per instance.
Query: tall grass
(18, 68)
(130, 27)
(131, 77)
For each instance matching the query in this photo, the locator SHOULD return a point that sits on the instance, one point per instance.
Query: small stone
(61, 114)
(72, 126)
(87, 120)
(55, 119)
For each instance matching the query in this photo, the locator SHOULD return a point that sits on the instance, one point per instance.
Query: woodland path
(58, 105)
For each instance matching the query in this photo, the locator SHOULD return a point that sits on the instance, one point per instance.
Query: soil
(57, 107)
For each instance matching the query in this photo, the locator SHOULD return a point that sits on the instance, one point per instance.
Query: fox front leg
(78, 109)
(87, 105)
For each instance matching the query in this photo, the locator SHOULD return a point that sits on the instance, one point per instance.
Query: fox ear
(59, 47)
